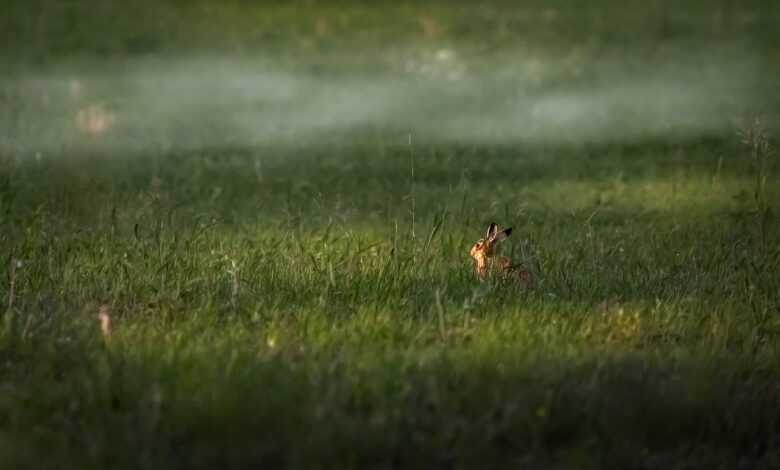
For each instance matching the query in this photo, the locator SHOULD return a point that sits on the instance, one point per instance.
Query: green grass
(292, 327)
(310, 304)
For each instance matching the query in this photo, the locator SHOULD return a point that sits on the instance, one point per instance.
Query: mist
(438, 95)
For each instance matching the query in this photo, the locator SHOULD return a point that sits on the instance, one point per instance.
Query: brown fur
(487, 264)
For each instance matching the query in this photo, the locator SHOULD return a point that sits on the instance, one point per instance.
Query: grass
(271, 305)
(287, 329)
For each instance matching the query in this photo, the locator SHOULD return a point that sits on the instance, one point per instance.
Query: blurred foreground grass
(312, 304)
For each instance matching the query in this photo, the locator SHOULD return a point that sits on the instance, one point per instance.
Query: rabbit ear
(492, 229)
(502, 235)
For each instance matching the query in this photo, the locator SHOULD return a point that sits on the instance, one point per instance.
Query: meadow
(273, 204)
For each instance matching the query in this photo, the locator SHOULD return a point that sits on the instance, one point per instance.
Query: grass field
(274, 202)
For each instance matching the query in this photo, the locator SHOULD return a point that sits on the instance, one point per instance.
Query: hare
(487, 264)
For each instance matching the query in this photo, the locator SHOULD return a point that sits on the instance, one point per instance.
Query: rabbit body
(487, 264)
